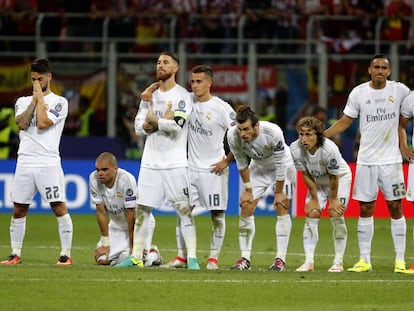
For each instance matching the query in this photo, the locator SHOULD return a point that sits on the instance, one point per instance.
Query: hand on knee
(247, 209)
(315, 213)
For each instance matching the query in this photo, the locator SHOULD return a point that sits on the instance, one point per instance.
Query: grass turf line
(38, 285)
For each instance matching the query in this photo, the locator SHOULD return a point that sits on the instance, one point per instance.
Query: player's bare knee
(20, 210)
(59, 208)
(395, 209)
(366, 209)
(247, 209)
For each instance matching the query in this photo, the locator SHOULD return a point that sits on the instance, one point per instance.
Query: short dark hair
(203, 68)
(41, 65)
(313, 124)
(377, 56)
(172, 55)
(244, 113)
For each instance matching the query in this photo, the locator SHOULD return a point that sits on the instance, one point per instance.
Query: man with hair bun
(263, 160)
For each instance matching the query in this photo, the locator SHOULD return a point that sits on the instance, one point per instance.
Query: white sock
(310, 238)
(365, 228)
(65, 227)
(188, 231)
(340, 235)
(141, 232)
(398, 232)
(181, 250)
(151, 228)
(217, 234)
(247, 230)
(283, 228)
(17, 232)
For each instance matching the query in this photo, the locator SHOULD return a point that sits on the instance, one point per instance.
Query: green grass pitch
(37, 284)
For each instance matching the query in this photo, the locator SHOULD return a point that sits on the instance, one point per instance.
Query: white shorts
(48, 181)
(118, 242)
(209, 190)
(324, 192)
(410, 183)
(388, 178)
(262, 179)
(157, 186)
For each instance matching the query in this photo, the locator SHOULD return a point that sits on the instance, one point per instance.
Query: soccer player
(113, 191)
(328, 178)
(407, 114)
(270, 165)
(208, 165)
(40, 118)
(164, 167)
(379, 164)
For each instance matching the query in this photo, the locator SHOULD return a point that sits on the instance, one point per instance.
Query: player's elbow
(44, 125)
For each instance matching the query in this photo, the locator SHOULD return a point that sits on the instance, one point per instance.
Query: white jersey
(122, 195)
(378, 112)
(268, 150)
(407, 109)
(326, 160)
(167, 147)
(40, 147)
(207, 127)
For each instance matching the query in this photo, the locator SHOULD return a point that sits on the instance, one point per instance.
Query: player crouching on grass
(113, 191)
(328, 178)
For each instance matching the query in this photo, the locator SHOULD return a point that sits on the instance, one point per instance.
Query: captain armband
(180, 117)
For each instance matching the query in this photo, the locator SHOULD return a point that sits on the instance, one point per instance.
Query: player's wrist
(105, 241)
(247, 186)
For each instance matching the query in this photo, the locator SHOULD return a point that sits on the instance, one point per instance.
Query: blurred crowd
(213, 19)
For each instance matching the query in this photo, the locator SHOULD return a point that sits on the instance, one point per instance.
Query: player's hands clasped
(37, 91)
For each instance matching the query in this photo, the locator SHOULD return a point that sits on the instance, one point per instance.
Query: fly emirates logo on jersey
(381, 115)
(197, 127)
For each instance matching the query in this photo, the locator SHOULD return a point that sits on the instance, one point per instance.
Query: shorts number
(214, 199)
(398, 189)
(290, 189)
(52, 192)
